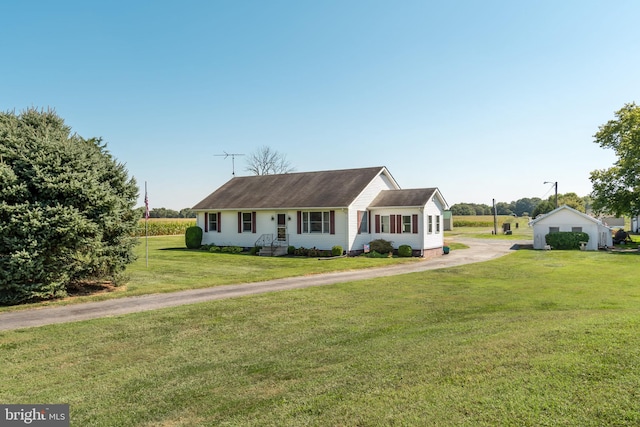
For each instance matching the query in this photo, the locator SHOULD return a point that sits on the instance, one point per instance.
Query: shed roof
(568, 209)
(336, 188)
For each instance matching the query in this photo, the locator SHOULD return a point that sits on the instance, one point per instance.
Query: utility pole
(555, 184)
(495, 218)
(233, 160)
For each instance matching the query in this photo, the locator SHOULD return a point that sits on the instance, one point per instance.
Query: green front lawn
(534, 338)
(172, 267)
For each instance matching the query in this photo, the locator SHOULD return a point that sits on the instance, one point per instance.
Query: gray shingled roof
(396, 198)
(336, 188)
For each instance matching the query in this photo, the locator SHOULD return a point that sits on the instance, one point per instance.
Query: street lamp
(555, 185)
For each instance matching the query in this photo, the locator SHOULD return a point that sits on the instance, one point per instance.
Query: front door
(282, 227)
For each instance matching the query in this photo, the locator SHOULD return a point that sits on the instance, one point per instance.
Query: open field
(163, 226)
(529, 339)
(481, 226)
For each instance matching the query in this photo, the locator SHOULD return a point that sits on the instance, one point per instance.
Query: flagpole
(146, 220)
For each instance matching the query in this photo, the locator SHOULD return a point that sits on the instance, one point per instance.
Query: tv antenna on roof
(233, 160)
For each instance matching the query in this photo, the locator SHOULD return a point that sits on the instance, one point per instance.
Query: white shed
(565, 218)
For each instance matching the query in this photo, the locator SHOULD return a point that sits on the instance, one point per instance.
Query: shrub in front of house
(374, 254)
(566, 239)
(311, 252)
(336, 250)
(405, 251)
(381, 246)
(193, 237)
(231, 249)
(214, 249)
(291, 250)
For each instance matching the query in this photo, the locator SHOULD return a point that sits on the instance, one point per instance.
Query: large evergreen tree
(66, 208)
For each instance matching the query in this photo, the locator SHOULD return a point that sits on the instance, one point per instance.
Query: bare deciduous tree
(266, 161)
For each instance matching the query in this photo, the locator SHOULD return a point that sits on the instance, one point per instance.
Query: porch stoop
(273, 251)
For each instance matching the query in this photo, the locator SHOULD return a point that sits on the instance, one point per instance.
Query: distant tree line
(524, 207)
(167, 213)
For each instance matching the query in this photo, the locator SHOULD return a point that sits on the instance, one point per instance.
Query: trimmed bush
(214, 249)
(405, 251)
(381, 246)
(193, 237)
(566, 239)
(291, 250)
(255, 250)
(336, 250)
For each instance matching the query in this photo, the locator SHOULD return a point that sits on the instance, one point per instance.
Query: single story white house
(565, 218)
(347, 208)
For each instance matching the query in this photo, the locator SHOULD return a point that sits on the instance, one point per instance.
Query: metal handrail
(272, 240)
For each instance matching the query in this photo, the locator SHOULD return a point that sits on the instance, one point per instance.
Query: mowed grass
(171, 267)
(536, 338)
(520, 232)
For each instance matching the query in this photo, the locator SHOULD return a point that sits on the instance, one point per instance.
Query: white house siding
(435, 239)
(229, 235)
(417, 241)
(323, 241)
(566, 220)
(355, 241)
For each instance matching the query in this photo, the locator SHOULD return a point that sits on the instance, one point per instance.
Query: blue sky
(483, 99)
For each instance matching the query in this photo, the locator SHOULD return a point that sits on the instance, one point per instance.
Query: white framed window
(437, 223)
(406, 224)
(430, 224)
(576, 229)
(385, 224)
(363, 222)
(316, 222)
(247, 222)
(213, 221)
(554, 229)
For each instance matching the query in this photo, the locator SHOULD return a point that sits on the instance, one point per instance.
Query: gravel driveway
(479, 250)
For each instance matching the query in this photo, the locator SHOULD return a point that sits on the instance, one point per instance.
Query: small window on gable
(554, 229)
(576, 229)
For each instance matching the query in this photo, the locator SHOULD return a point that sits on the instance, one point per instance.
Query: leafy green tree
(543, 208)
(617, 190)
(163, 213)
(187, 213)
(525, 206)
(570, 199)
(503, 208)
(66, 208)
(462, 209)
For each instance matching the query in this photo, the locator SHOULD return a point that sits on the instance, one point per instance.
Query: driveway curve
(479, 250)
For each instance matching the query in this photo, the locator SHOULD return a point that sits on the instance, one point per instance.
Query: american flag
(146, 202)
